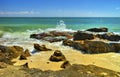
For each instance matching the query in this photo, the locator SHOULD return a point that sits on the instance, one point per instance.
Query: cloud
(117, 8)
(18, 12)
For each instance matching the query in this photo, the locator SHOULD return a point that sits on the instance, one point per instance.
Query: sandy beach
(41, 60)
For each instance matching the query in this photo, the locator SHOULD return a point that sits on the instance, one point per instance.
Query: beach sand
(41, 60)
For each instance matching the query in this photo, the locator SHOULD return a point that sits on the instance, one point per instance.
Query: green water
(14, 24)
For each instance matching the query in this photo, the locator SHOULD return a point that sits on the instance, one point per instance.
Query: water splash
(61, 25)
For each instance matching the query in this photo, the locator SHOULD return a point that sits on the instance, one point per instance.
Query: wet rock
(41, 48)
(109, 36)
(81, 35)
(65, 64)
(98, 30)
(53, 36)
(57, 56)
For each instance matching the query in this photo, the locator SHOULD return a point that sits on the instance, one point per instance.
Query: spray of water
(61, 25)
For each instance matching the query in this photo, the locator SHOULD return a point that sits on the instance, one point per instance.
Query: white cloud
(117, 8)
(18, 12)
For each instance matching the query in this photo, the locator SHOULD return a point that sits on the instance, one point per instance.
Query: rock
(57, 56)
(109, 36)
(65, 64)
(8, 53)
(53, 36)
(98, 29)
(93, 47)
(41, 48)
(23, 57)
(25, 65)
(115, 47)
(27, 53)
(81, 35)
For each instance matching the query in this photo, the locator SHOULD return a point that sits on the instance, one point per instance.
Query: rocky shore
(96, 44)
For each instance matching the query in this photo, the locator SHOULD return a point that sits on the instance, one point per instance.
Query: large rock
(8, 53)
(93, 47)
(98, 30)
(53, 36)
(57, 56)
(109, 36)
(115, 46)
(81, 35)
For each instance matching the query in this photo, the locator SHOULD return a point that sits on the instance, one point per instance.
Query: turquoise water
(14, 24)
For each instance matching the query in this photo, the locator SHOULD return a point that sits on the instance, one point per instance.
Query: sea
(17, 30)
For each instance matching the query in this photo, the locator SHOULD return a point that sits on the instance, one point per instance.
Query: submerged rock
(98, 29)
(41, 48)
(57, 56)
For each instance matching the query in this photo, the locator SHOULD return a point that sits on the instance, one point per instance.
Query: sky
(59, 8)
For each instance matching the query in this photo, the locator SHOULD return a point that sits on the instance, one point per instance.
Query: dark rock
(65, 64)
(98, 30)
(109, 36)
(53, 36)
(80, 35)
(93, 47)
(41, 48)
(57, 56)
(25, 65)
(115, 46)
(97, 47)
(23, 57)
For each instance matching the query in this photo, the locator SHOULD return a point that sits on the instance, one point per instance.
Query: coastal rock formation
(57, 56)
(109, 36)
(98, 29)
(8, 53)
(41, 48)
(81, 35)
(93, 47)
(53, 36)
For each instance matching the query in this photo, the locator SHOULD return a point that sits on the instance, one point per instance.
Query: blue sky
(59, 8)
